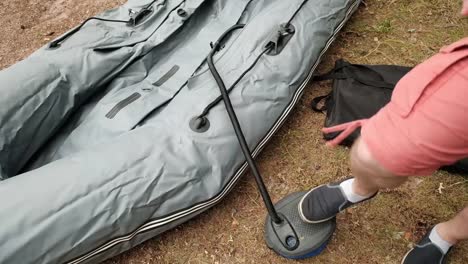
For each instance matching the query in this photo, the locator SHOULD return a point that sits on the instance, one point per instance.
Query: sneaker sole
(441, 261)
(406, 255)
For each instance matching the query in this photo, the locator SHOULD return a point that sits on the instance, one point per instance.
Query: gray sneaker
(324, 202)
(425, 252)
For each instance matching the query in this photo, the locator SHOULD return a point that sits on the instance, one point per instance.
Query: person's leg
(456, 229)
(435, 245)
(369, 175)
(324, 202)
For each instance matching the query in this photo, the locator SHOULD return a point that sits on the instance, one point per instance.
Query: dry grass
(383, 31)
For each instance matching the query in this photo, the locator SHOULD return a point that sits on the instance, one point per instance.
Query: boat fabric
(96, 151)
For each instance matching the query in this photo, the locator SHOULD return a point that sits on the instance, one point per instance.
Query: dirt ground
(401, 32)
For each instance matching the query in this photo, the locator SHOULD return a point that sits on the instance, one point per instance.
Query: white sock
(353, 197)
(439, 241)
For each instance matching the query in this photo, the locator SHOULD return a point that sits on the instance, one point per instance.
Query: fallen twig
(441, 185)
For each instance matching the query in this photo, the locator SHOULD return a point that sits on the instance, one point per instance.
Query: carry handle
(334, 74)
(316, 101)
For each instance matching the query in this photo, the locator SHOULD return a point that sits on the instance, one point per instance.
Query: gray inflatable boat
(114, 132)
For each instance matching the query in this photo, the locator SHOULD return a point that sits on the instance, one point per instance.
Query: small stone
(376, 39)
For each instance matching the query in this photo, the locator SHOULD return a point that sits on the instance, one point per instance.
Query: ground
(401, 32)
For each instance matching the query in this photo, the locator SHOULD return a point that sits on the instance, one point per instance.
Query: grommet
(199, 124)
(182, 13)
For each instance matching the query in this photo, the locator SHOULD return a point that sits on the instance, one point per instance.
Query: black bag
(359, 92)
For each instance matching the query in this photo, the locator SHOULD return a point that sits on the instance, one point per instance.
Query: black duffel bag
(359, 92)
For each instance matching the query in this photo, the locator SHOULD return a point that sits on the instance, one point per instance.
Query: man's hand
(465, 8)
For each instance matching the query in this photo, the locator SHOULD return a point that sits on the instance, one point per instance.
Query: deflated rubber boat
(115, 132)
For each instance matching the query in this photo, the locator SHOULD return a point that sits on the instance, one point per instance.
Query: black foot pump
(285, 232)
(308, 240)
